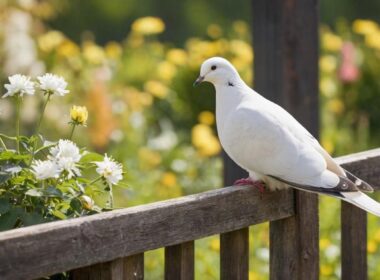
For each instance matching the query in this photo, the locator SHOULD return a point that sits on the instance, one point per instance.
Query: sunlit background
(133, 65)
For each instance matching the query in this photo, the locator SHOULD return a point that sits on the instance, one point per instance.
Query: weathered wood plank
(179, 261)
(234, 255)
(354, 242)
(292, 242)
(32, 252)
(134, 267)
(285, 37)
(100, 271)
(131, 267)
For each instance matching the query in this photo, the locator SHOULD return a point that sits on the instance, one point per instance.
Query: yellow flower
(156, 88)
(68, 49)
(364, 27)
(215, 244)
(49, 41)
(240, 27)
(177, 56)
(336, 106)
(87, 202)
(148, 25)
(214, 31)
(206, 117)
(166, 70)
(242, 50)
(135, 40)
(373, 40)
(331, 42)
(168, 179)
(253, 275)
(93, 53)
(204, 140)
(79, 114)
(328, 63)
(326, 270)
(371, 246)
(327, 86)
(113, 50)
(377, 235)
(324, 243)
(148, 158)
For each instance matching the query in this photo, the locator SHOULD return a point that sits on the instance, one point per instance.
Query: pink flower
(348, 71)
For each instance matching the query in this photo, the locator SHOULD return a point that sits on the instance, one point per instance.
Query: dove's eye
(213, 67)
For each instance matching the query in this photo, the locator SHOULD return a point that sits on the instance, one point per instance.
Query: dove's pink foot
(260, 185)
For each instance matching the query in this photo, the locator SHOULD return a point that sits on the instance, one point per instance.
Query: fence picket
(179, 261)
(354, 242)
(234, 255)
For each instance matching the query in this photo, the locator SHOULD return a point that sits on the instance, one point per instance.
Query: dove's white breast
(260, 139)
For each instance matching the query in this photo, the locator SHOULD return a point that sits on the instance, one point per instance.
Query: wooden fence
(111, 245)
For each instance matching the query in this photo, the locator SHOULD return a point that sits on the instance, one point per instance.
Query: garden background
(133, 65)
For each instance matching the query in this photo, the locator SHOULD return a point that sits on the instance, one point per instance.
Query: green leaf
(46, 145)
(59, 214)
(33, 218)
(76, 205)
(34, 192)
(52, 192)
(91, 157)
(5, 206)
(12, 155)
(4, 177)
(9, 219)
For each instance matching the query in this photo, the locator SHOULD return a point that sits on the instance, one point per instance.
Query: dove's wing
(301, 133)
(278, 148)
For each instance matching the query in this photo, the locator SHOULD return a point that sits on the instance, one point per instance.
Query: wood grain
(134, 267)
(31, 252)
(234, 255)
(354, 242)
(128, 268)
(179, 261)
(285, 37)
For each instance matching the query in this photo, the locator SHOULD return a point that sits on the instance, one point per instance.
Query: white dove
(271, 145)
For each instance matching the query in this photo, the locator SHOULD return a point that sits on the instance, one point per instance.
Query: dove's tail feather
(362, 201)
(360, 184)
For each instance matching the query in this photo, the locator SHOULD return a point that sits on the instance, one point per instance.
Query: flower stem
(18, 102)
(111, 197)
(72, 131)
(95, 180)
(42, 113)
(3, 144)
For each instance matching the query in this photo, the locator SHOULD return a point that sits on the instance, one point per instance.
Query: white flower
(20, 85)
(111, 170)
(53, 84)
(13, 169)
(66, 154)
(45, 169)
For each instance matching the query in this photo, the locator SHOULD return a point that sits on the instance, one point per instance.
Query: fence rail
(111, 245)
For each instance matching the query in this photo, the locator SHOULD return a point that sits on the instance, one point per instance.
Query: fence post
(234, 254)
(286, 71)
(354, 242)
(179, 261)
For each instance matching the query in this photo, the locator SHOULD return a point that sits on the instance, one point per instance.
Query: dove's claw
(243, 182)
(260, 185)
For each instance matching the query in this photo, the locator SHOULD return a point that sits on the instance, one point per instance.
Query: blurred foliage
(146, 113)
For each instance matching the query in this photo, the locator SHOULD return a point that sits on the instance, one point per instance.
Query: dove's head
(217, 70)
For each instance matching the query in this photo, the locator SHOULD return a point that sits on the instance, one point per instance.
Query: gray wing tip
(360, 184)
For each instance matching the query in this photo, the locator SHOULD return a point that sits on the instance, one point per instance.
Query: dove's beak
(198, 81)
